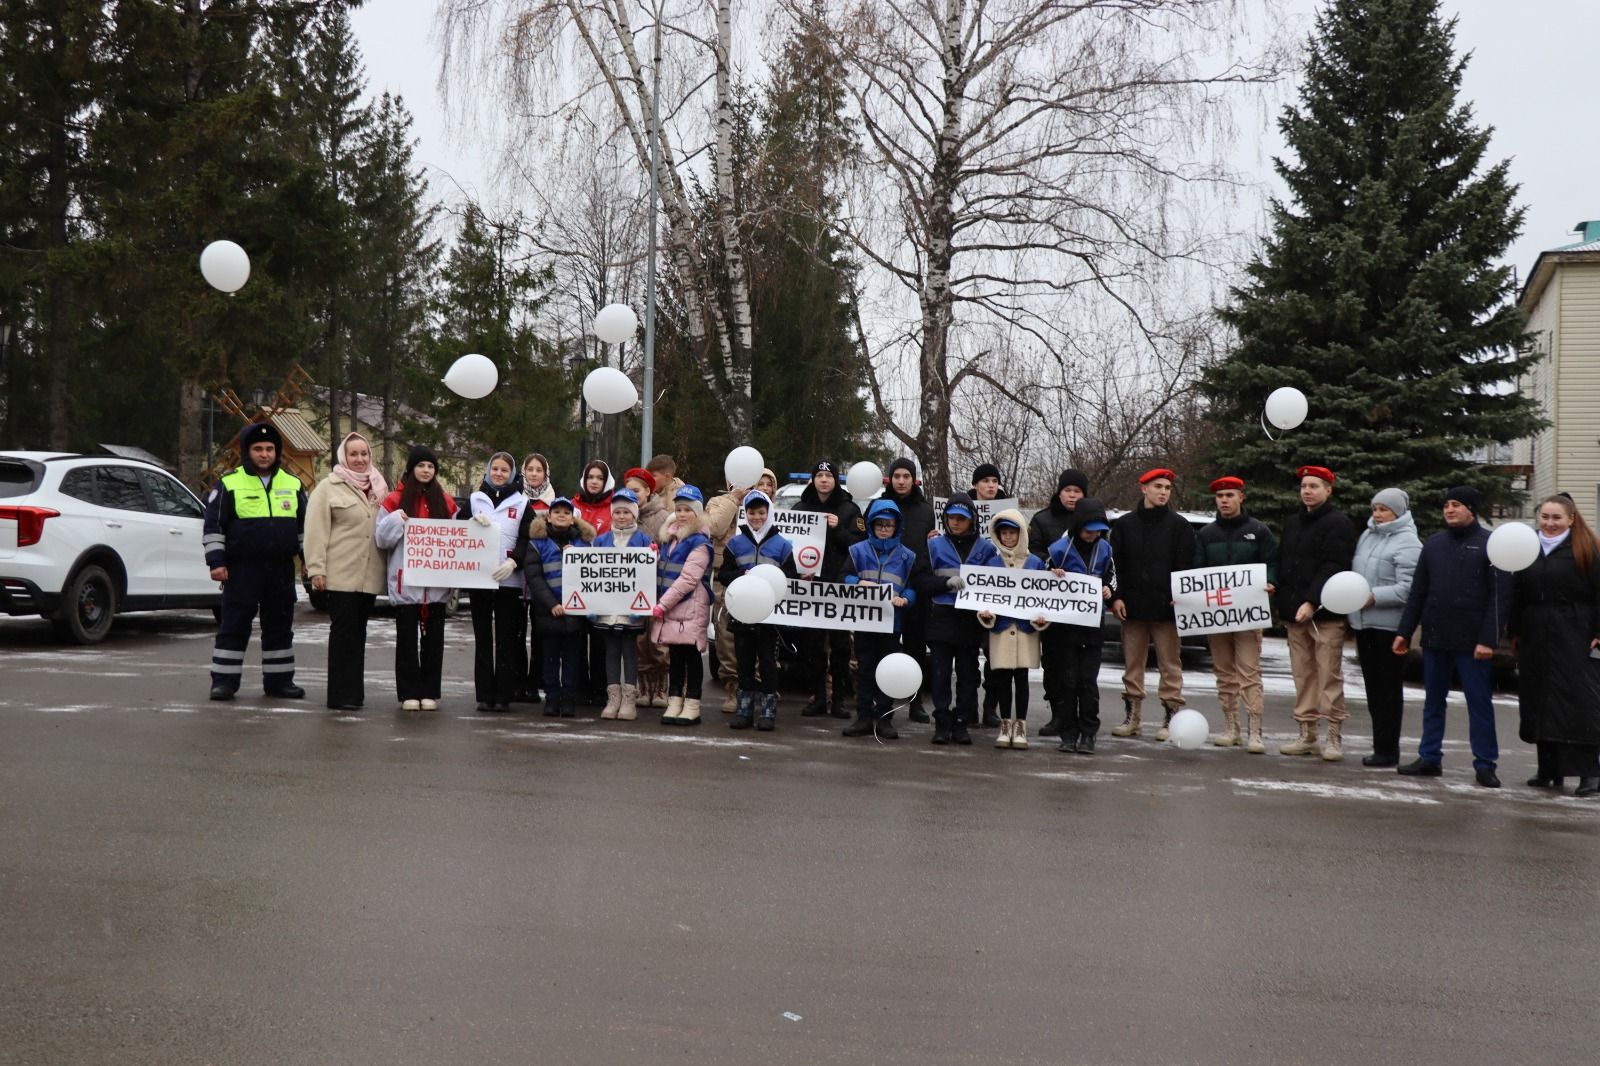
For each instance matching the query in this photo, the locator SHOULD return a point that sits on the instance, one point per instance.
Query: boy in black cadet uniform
(254, 524)
(916, 528)
(827, 652)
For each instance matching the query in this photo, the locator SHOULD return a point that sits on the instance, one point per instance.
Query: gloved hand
(503, 571)
(481, 518)
(956, 583)
(658, 612)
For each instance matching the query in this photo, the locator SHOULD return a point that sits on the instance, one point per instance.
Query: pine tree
(1378, 292)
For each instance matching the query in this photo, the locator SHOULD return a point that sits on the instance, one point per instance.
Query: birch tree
(1025, 162)
(557, 62)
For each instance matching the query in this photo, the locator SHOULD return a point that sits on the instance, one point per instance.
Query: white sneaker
(411, 705)
(430, 705)
(1019, 735)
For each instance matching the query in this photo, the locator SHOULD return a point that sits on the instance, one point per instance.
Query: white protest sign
(441, 553)
(1221, 599)
(1028, 594)
(608, 580)
(986, 510)
(835, 605)
(806, 532)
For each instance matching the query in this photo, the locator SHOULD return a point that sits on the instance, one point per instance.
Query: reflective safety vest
(946, 561)
(892, 568)
(550, 551)
(245, 519)
(774, 548)
(673, 557)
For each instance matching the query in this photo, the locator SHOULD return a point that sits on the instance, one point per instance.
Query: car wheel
(88, 604)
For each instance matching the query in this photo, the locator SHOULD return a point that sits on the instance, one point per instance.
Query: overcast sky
(1531, 78)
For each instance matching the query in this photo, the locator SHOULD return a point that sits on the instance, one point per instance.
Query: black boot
(959, 734)
(1085, 743)
(816, 706)
(885, 725)
(991, 720)
(862, 726)
(569, 708)
(221, 693)
(941, 727)
(1069, 742)
(1052, 728)
(839, 710)
(917, 714)
(552, 706)
(1588, 786)
(287, 692)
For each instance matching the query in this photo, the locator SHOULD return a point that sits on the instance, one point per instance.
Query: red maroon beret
(1315, 471)
(1160, 471)
(1229, 482)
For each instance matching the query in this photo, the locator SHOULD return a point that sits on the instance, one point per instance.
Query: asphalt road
(183, 882)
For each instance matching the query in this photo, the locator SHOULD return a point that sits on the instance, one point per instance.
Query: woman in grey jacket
(1386, 555)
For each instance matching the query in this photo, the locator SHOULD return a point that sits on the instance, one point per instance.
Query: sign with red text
(986, 509)
(1221, 599)
(441, 553)
(806, 532)
(608, 580)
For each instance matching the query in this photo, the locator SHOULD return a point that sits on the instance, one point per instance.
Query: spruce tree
(1379, 291)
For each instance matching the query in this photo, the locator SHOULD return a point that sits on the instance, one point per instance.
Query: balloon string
(1264, 428)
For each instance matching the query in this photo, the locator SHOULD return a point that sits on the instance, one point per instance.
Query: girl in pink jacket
(683, 603)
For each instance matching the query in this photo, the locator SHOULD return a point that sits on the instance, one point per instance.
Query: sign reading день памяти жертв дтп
(812, 604)
(608, 580)
(1221, 599)
(1028, 594)
(441, 553)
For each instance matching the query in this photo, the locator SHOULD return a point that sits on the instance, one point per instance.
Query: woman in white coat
(344, 564)
(499, 618)
(1386, 555)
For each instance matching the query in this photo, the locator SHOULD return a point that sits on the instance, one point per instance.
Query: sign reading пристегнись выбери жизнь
(1221, 599)
(608, 580)
(441, 553)
(1028, 594)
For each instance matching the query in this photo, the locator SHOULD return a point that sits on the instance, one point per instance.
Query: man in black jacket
(916, 526)
(1148, 544)
(1236, 539)
(828, 651)
(1318, 542)
(1462, 602)
(1049, 525)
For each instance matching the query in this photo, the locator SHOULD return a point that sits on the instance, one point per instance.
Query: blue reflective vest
(774, 548)
(550, 559)
(673, 558)
(639, 539)
(946, 562)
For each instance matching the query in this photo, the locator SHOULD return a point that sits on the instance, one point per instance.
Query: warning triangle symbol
(574, 602)
(641, 603)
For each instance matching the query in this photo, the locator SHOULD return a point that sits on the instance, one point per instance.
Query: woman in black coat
(1556, 625)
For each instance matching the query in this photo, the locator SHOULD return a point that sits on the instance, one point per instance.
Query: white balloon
(1286, 407)
(863, 480)
(1513, 546)
(774, 576)
(609, 390)
(743, 467)
(1345, 592)
(750, 599)
(225, 266)
(472, 376)
(898, 676)
(1188, 729)
(616, 324)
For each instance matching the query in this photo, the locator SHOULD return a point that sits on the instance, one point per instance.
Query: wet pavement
(267, 882)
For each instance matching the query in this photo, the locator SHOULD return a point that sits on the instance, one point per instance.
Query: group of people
(351, 528)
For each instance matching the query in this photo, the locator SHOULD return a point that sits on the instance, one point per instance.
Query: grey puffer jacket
(1386, 555)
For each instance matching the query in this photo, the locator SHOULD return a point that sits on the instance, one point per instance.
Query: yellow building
(1562, 302)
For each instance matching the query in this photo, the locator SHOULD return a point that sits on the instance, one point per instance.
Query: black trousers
(347, 647)
(267, 586)
(961, 661)
(498, 616)
(870, 650)
(1072, 676)
(1383, 673)
(563, 659)
(753, 646)
(686, 671)
(418, 662)
(1011, 690)
(825, 652)
(1051, 640)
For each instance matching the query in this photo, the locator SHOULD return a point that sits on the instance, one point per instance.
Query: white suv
(84, 537)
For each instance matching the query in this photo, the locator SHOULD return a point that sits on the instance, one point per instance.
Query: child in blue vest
(954, 636)
(1013, 643)
(1073, 661)
(620, 632)
(756, 543)
(879, 560)
(560, 633)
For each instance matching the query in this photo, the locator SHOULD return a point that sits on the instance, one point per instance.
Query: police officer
(255, 519)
